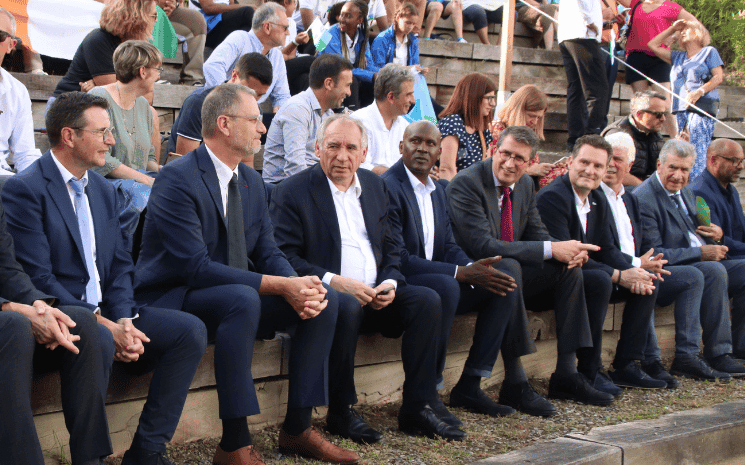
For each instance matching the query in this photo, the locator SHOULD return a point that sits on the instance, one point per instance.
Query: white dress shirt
(224, 175)
(16, 125)
(575, 16)
(357, 257)
(583, 209)
(351, 51)
(401, 54)
(623, 223)
(383, 143)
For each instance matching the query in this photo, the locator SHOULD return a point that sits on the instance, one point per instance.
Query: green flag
(164, 37)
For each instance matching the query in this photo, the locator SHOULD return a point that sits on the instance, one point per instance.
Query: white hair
(623, 141)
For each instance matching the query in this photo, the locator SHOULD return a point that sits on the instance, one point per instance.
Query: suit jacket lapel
(669, 204)
(61, 197)
(413, 204)
(321, 194)
(492, 200)
(209, 176)
(99, 227)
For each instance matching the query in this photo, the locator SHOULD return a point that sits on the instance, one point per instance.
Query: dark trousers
(416, 313)
(82, 397)
(587, 88)
(362, 94)
(492, 322)
(636, 315)
(611, 71)
(177, 343)
(298, 70)
(234, 20)
(554, 286)
(234, 315)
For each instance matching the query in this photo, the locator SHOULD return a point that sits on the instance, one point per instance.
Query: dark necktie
(678, 201)
(237, 255)
(505, 223)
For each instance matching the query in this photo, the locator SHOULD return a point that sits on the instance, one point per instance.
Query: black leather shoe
(657, 371)
(727, 364)
(349, 424)
(604, 384)
(576, 387)
(444, 414)
(524, 398)
(425, 422)
(695, 367)
(137, 456)
(478, 402)
(631, 376)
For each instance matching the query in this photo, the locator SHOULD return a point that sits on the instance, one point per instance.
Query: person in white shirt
(16, 122)
(384, 120)
(580, 26)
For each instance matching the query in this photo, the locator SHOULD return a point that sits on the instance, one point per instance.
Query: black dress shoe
(576, 387)
(727, 364)
(138, 456)
(444, 414)
(695, 367)
(630, 375)
(657, 371)
(425, 422)
(478, 402)
(524, 398)
(604, 384)
(349, 424)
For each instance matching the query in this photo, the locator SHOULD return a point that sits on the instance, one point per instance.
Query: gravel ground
(486, 436)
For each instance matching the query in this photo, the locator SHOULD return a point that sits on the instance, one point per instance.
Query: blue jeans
(133, 197)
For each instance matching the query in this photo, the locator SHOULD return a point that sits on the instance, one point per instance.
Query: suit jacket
(405, 221)
(664, 224)
(632, 208)
(185, 237)
(557, 207)
(475, 216)
(307, 228)
(41, 218)
(726, 210)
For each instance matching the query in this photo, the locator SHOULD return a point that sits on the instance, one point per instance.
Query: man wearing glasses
(648, 113)
(16, 123)
(493, 212)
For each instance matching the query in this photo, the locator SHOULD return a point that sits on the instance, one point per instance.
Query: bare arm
(448, 157)
(185, 145)
(153, 165)
(663, 37)
(307, 15)
(212, 8)
(125, 172)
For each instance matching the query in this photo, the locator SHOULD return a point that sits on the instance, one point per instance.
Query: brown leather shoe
(243, 456)
(312, 444)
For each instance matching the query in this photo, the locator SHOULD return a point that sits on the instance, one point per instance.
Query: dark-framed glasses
(516, 159)
(656, 114)
(736, 162)
(4, 35)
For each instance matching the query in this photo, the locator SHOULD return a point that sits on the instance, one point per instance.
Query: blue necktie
(84, 220)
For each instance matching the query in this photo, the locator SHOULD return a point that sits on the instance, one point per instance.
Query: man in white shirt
(16, 122)
(580, 25)
(384, 120)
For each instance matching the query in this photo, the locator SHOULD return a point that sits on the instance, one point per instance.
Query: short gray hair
(222, 100)
(640, 100)
(522, 134)
(678, 148)
(321, 134)
(622, 140)
(12, 21)
(390, 78)
(268, 12)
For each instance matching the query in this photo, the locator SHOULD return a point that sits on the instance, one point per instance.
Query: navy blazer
(726, 210)
(405, 221)
(632, 208)
(41, 218)
(307, 228)
(664, 224)
(185, 237)
(559, 213)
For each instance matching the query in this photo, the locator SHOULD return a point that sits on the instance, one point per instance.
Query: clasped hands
(377, 297)
(49, 325)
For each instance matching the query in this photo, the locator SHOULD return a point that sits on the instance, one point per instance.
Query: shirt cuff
(636, 262)
(327, 278)
(547, 250)
(392, 282)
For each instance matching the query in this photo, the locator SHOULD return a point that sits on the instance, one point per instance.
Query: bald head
(420, 148)
(724, 160)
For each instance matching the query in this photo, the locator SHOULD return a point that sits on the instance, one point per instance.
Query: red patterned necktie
(506, 232)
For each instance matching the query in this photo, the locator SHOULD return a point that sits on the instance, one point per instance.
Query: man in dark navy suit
(573, 207)
(208, 249)
(332, 221)
(65, 221)
(430, 257)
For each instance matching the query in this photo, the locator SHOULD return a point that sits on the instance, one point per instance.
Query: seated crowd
(358, 223)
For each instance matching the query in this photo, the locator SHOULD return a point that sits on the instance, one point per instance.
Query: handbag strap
(631, 16)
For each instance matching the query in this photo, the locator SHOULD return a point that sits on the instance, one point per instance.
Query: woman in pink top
(650, 17)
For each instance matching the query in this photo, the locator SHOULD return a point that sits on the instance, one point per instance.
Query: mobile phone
(561, 160)
(386, 290)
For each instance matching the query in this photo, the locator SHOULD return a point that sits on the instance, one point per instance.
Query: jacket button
(82, 281)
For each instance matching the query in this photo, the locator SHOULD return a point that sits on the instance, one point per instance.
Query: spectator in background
(16, 121)
(612, 21)
(298, 66)
(312, 9)
(650, 17)
(137, 64)
(398, 44)
(696, 73)
(93, 65)
(192, 26)
(253, 70)
(384, 118)
(482, 13)
(290, 141)
(223, 17)
(537, 22)
(464, 124)
(349, 38)
(437, 9)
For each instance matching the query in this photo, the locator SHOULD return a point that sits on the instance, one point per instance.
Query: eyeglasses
(285, 26)
(256, 119)
(105, 132)
(736, 162)
(516, 159)
(4, 35)
(490, 98)
(656, 114)
(159, 70)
